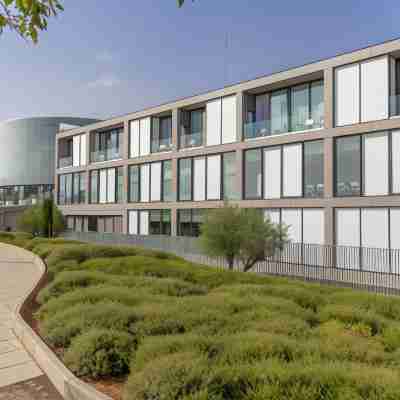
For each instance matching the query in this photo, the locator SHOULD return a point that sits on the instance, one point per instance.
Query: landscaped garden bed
(146, 325)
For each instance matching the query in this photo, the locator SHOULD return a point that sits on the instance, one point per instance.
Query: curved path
(20, 376)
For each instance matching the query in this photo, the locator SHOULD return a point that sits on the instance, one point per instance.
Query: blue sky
(102, 59)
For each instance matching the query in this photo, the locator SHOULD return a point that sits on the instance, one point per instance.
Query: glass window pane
(166, 222)
(253, 176)
(317, 104)
(134, 193)
(94, 196)
(314, 169)
(299, 108)
(348, 168)
(68, 189)
(120, 184)
(229, 177)
(165, 133)
(279, 112)
(82, 187)
(76, 188)
(197, 220)
(185, 179)
(168, 194)
(155, 222)
(184, 221)
(61, 190)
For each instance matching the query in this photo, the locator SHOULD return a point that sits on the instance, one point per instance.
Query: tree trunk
(230, 261)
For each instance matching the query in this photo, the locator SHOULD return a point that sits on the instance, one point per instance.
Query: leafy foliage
(28, 17)
(239, 233)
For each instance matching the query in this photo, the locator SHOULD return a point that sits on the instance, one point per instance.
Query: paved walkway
(20, 376)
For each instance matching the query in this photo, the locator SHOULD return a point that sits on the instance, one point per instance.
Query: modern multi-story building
(27, 147)
(316, 147)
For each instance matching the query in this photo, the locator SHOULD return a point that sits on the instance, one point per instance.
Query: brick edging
(69, 386)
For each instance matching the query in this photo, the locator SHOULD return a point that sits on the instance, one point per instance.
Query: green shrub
(62, 327)
(100, 352)
(6, 236)
(67, 265)
(391, 338)
(70, 280)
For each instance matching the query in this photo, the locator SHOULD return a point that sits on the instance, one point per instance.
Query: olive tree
(242, 234)
(27, 17)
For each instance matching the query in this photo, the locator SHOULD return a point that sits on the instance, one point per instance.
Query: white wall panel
(133, 222)
(376, 164)
(83, 150)
(347, 94)
(156, 181)
(134, 141)
(213, 122)
(145, 135)
(395, 229)
(144, 182)
(274, 215)
(76, 152)
(347, 228)
(374, 234)
(144, 222)
(111, 185)
(313, 226)
(229, 119)
(292, 170)
(292, 218)
(396, 161)
(103, 186)
(374, 89)
(272, 173)
(199, 179)
(214, 177)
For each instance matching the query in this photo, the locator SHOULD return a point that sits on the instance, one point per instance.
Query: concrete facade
(324, 70)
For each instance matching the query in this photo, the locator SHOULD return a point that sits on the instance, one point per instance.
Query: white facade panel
(111, 185)
(103, 186)
(347, 94)
(374, 89)
(313, 226)
(144, 182)
(76, 150)
(83, 150)
(133, 222)
(292, 170)
(376, 164)
(156, 181)
(395, 229)
(229, 119)
(274, 215)
(396, 161)
(291, 217)
(134, 141)
(199, 179)
(144, 222)
(272, 173)
(374, 234)
(145, 136)
(213, 114)
(214, 177)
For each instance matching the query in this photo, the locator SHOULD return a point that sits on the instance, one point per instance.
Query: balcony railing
(276, 126)
(105, 155)
(193, 139)
(64, 162)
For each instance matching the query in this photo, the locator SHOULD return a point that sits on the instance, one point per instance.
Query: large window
(229, 177)
(314, 169)
(106, 145)
(185, 179)
(106, 185)
(65, 153)
(253, 174)
(101, 224)
(292, 170)
(293, 109)
(151, 182)
(189, 222)
(25, 195)
(161, 139)
(191, 134)
(149, 222)
(72, 188)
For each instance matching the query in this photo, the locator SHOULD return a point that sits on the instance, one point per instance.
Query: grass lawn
(169, 329)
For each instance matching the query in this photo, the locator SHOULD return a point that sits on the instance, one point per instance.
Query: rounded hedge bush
(100, 352)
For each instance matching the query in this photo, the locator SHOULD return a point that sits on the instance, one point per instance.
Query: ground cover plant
(170, 329)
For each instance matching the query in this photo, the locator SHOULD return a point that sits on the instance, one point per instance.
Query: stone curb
(69, 386)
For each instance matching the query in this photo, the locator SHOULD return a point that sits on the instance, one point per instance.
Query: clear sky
(105, 58)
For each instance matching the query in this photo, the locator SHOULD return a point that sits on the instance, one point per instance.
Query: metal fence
(371, 269)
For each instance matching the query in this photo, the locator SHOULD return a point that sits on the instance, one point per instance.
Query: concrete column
(329, 225)
(175, 128)
(175, 172)
(239, 174)
(239, 115)
(328, 98)
(174, 222)
(125, 141)
(328, 168)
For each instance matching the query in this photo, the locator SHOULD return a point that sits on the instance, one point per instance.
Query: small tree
(30, 220)
(243, 234)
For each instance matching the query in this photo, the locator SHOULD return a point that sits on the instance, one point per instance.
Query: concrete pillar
(174, 222)
(175, 128)
(239, 115)
(329, 225)
(328, 98)
(239, 174)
